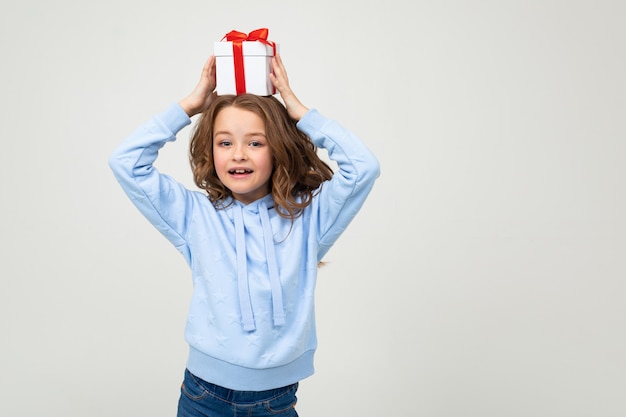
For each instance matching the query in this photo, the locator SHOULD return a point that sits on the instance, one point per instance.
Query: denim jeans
(199, 398)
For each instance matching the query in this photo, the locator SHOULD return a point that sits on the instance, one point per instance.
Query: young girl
(270, 210)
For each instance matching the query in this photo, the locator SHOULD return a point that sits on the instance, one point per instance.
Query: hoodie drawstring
(242, 272)
(272, 266)
(245, 304)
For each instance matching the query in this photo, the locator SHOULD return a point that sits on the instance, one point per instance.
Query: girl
(270, 210)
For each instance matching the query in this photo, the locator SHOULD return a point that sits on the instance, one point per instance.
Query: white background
(485, 276)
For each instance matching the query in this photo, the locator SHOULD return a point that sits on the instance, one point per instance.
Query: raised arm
(159, 197)
(340, 198)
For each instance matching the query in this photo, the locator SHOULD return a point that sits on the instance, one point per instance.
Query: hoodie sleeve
(161, 199)
(340, 198)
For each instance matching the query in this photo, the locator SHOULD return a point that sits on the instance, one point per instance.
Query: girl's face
(241, 154)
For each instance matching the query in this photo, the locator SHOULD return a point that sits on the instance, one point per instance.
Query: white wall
(485, 276)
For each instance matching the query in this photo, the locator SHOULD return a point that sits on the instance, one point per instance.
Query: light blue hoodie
(251, 323)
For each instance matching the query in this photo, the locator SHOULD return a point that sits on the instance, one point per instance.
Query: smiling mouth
(240, 171)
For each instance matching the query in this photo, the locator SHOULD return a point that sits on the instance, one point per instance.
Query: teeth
(240, 171)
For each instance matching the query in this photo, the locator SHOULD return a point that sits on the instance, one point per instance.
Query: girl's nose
(239, 153)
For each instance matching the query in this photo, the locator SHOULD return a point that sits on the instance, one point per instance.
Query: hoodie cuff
(174, 117)
(312, 121)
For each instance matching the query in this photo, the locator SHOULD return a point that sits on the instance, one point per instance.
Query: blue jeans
(199, 398)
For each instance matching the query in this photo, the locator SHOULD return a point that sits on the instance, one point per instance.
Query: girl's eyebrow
(226, 132)
(221, 132)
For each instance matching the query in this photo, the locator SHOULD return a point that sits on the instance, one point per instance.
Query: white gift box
(257, 65)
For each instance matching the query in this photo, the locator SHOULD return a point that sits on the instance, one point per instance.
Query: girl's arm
(165, 202)
(340, 198)
(162, 200)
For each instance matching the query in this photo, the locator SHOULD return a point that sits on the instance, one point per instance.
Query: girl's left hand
(280, 80)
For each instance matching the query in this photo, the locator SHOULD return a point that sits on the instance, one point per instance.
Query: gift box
(244, 62)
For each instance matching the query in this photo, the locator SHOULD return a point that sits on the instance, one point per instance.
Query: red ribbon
(237, 39)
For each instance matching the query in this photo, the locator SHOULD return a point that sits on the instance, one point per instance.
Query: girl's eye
(224, 143)
(255, 144)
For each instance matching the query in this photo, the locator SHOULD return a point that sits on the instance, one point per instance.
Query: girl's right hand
(204, 92)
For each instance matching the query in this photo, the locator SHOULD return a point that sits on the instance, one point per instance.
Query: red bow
(237, 38)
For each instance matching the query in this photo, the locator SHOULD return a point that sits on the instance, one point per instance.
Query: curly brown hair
(297, 172)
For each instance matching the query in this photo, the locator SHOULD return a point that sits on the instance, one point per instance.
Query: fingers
(208, 72)
(210, 63)
(279, 76)
(204, 92)
(278, 66)
(280, 80)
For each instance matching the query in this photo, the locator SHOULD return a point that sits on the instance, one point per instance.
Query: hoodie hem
(242, 378)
